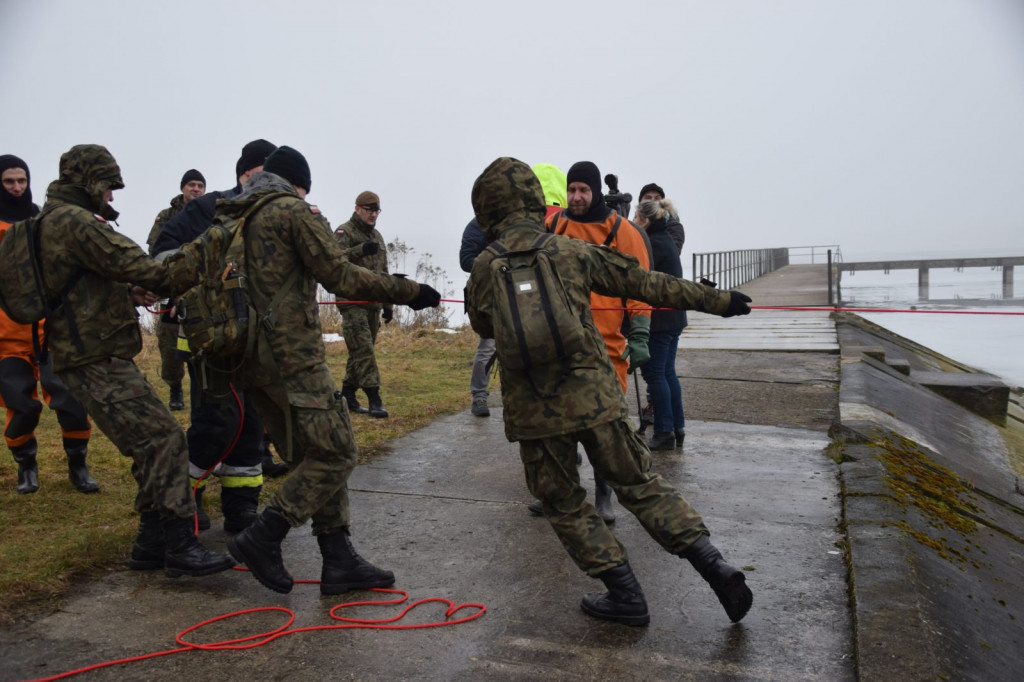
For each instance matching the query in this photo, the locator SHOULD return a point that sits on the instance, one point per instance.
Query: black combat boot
(603, 500)
(185, 555)
(729, 584)
(259, 548)
(239, 507)
(344, 569)
(202, 518)
(662, 441)
(376, 406)
(78, 472)
(149, 547)
(28, 468)
(177, 400)
(624, 602)
(680, 434)
(349, 394)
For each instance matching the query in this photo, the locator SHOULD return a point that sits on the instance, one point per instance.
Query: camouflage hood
(507, 192)
(259, 184)
(87, 171)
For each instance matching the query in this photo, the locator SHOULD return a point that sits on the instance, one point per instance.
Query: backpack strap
(553, 221)
(614, 231)
(42, 349)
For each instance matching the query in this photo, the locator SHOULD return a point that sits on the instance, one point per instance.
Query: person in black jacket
(666, 326)
(215, 421)
(473, 243)
(651, 192)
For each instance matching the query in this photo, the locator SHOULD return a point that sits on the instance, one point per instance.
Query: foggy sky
(884, 127)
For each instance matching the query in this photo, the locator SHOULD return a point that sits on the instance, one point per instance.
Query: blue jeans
(662, 383)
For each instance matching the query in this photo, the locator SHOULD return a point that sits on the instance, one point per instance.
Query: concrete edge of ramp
(933, 519)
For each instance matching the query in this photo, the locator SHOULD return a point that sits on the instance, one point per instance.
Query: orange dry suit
(608, 311)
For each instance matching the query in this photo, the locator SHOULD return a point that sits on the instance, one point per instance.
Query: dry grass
(57, 535)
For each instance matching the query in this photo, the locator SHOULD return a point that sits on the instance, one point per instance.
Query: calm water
(991, 343)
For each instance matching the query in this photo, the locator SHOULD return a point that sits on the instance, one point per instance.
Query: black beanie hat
(253, 154)
(191, 175)
(14, 208)
(651, 187)
(290, 165)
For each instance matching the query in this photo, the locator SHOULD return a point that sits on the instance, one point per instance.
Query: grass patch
(58, 535)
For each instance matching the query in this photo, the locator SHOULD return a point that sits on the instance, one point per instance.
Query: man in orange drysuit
(21, 371)
(588, 218)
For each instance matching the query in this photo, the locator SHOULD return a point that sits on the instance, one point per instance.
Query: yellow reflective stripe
(241, 481)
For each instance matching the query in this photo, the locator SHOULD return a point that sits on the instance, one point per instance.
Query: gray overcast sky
(884, 126)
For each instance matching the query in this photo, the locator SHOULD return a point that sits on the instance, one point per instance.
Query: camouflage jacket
(351, 237)
(510, 209)
(176, 207)
(288, 235)
(78, 242)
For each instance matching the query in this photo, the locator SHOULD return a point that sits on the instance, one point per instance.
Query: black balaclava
(587, 172)
(14, 208)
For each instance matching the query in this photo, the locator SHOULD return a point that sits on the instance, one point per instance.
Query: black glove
(427, 298)
(370, 248)
(737, 304)
(387, 315)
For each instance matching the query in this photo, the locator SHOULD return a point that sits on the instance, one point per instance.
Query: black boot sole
(239, 555)
(342, 588)
(735, 597)
(146, 564)
(175, 572)
(633, 621)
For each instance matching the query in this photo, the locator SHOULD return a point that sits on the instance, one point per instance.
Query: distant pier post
(1007, 281)
(922, 284)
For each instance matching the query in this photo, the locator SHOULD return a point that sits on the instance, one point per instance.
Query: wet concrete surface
(446, 510)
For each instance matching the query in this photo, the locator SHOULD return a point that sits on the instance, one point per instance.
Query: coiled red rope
(185, 644)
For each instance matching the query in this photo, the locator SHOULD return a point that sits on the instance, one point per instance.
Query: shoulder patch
(340, 231)
(313, 209)
(98, 217)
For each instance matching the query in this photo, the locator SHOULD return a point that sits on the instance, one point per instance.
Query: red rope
(261, 638)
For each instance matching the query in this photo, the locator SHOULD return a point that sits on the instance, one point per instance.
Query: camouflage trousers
(619, 457)
(323, 448)
(172, 367)
(127, 409)
(359, 326)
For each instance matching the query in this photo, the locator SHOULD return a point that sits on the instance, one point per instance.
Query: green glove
(636, 343)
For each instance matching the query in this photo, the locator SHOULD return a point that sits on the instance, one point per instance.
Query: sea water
(962, 325)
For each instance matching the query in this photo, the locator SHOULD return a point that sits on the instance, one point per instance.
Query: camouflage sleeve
(96, 246)
(616, 274)
(326, 261)
(154, 231)
(479, 297)
(351, 250)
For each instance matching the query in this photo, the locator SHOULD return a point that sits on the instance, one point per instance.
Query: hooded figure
(94, 336)
(588, 408)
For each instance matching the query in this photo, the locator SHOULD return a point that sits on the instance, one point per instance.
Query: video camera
(616, 200)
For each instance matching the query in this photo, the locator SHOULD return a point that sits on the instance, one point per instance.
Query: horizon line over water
(989, 343)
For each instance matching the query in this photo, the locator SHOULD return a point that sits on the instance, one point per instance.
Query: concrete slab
(446, 511)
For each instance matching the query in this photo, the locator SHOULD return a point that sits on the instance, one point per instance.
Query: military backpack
(535, 325)
(22, 296)
(217, 314)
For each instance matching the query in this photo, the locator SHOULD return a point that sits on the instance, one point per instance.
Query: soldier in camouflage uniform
(172, 367)
(93, 337)
(289, 248)
(363, 245)
(589, 407)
